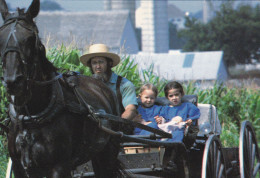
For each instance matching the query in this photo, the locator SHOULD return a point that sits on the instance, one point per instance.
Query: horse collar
(55, 105)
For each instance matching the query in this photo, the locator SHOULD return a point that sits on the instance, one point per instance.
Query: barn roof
(91, 27)
(174, 12)
(185, 66)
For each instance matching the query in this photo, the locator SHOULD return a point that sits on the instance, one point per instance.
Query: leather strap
(132, 123)
(118, 94)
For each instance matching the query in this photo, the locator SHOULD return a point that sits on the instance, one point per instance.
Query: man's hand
(130, 112)
(138, 118)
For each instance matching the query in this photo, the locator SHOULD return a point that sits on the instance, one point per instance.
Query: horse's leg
(18, 170)
(60, 171)
(106, 163)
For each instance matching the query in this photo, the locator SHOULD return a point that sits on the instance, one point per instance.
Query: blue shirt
(127, 90)
(148, 114)
(185, 110)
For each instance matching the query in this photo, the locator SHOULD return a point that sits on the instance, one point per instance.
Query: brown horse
(52, 129)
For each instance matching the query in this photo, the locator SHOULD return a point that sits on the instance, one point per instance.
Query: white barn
(190, 66)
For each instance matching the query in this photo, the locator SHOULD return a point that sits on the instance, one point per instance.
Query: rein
(44, 83)
(101, 114)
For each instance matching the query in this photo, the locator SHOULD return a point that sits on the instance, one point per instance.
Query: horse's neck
(38, 99)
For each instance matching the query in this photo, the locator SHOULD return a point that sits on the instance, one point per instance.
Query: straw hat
(99, 50)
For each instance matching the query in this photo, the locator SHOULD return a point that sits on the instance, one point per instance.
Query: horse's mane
(47, 65)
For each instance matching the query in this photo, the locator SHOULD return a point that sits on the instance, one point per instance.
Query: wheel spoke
(252, 158)
(250, 148)
(246, 167)
(257, 167)
(218, 164)
(214, 150)
(221, 170)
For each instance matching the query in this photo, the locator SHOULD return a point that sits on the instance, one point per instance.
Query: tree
(235, 31)
(49, 5)
(174, 41)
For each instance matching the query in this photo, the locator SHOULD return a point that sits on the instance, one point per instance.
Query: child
(147, 109)
(176, 112)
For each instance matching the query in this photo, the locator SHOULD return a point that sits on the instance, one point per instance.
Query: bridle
(13, 21)
(30, 75)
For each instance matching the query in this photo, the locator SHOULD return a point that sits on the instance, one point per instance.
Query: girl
(147, 109)
(176, 112)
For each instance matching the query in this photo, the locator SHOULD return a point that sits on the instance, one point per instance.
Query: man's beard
(104, 77)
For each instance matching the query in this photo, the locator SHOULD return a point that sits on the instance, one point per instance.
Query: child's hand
(146, 123)
(189, 122)
(158, 119)
(177, 119)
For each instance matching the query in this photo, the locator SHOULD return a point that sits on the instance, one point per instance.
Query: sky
(192, 6)
(95, 5)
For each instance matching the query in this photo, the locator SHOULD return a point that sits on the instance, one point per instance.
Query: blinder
(14, 20)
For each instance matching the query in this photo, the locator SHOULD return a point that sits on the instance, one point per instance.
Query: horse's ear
(34, 9)
(4, 9)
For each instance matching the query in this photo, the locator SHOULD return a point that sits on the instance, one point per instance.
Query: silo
(208, 9)
(107, 5)
(155, 31)
(124, 5)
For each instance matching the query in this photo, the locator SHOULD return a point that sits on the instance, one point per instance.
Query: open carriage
(204, 158)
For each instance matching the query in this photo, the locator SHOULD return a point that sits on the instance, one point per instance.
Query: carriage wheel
(213, 164)
(249, 159)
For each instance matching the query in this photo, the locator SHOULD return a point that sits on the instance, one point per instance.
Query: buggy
(203, 156)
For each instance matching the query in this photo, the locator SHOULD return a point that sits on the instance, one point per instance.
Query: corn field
(234, 105)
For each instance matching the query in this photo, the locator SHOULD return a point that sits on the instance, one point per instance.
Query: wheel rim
(249, 159)
(213, 165)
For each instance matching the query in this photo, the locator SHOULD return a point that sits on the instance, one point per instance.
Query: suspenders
(118, 94)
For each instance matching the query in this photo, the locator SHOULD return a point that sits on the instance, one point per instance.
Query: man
(100, 61)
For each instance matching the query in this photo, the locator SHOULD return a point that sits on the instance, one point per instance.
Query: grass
(3, 155)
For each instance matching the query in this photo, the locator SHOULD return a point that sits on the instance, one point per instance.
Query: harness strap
(84, 107)
(135, 138)
(55, 105)
(42, 83)
(118, 94)
(132, 123)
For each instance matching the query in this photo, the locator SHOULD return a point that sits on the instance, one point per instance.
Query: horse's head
(19, 47)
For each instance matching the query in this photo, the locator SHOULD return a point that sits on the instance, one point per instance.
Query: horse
(53, 128)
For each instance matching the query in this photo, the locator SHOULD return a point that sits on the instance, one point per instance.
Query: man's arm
(130, 112)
